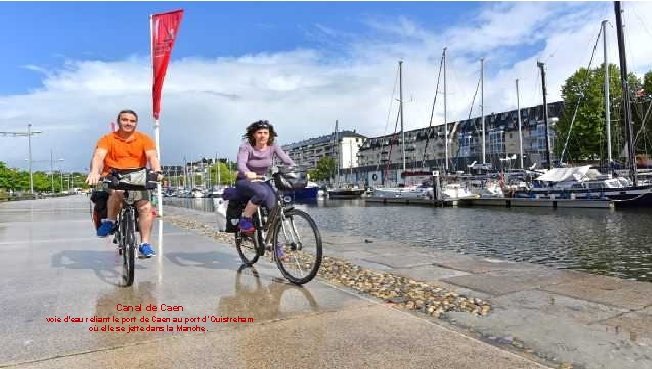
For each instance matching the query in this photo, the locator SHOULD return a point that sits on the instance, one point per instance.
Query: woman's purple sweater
(259, 161)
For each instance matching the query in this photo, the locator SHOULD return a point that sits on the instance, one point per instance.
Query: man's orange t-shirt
(125, 153)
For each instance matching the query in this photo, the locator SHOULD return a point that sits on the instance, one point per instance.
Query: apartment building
(381, 158)
(374, 160)
(308, 152)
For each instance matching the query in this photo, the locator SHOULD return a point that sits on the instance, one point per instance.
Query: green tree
(6, 176)
(647, 83)
(41, 182)
(587, 139)
(324, 170)
(227, 175)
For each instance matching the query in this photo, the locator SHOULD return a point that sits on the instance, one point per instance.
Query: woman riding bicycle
(254, 160)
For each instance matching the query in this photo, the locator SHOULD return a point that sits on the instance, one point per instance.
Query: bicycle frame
(130, 209)
(126, 239)
(277, 215)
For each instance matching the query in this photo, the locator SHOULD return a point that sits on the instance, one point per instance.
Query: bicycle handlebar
(148, 180)
(261, 179)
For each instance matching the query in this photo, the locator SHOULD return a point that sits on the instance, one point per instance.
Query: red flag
(164, 29)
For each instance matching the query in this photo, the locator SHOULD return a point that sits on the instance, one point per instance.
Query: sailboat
(587, 183)
(424, 190)
(450, 190)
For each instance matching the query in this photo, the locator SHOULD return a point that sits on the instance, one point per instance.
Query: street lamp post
(51, 167)
(51, 172)
(29, 144)
(29, 134)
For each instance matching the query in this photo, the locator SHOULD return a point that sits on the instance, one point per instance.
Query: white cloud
(208, 102)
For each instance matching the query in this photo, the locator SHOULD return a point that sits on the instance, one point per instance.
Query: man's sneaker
(106, 228)
(146, 250)
(246, 225)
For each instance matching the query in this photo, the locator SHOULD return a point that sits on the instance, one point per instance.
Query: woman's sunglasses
(261, 124)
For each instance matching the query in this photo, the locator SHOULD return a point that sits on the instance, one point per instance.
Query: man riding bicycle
(123, 150)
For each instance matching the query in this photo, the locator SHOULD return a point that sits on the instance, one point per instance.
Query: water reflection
(129, 320)
(264, 300)
(596, 240)
(159, 260)
(272, 300)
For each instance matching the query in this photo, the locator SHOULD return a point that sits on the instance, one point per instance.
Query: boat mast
(607, 110)
(545, 112)
(337, 144)
(520, 132)
(219, 176)
(400, 109)
(445, 117)
(484, 158)
(625, 86)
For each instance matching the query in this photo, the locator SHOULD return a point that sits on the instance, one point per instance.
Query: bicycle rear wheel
(297, 247)
(128, 247)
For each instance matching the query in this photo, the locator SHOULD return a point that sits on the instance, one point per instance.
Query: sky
(68, 68)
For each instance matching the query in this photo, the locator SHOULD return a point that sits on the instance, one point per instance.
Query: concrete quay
(571, 318)
(567, 318)
(52, 266)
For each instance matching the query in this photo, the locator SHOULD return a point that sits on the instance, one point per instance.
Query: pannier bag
(233, 212)
(100, 210)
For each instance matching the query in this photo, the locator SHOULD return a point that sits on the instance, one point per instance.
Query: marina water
(600, 241)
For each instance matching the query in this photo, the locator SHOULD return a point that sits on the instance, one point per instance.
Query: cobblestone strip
(407, 293)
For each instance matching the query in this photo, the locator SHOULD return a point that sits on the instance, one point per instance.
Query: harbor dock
(505, 202)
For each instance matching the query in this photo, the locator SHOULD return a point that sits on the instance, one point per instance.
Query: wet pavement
(192, 306)
(568, 318)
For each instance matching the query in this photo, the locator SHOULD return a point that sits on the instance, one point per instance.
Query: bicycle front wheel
(128, 249)
(297, 247)
(247, 246)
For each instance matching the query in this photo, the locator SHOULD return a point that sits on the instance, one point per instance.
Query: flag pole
(159, 186)
(157, 125)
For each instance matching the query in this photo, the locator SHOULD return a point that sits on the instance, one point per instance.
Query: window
(465, 142)
(497, 142)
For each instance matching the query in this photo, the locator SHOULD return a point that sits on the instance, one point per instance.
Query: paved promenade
(62, 306)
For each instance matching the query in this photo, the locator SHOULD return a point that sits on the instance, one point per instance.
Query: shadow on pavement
(105, 264)
(209, 260)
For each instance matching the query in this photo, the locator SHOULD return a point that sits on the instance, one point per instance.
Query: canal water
(600, 241)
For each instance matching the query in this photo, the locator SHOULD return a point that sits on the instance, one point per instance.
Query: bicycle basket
(134, 179)
(290, 179)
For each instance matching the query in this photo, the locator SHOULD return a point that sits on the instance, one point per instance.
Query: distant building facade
(381, 158)
(371, 161)
(345, 150)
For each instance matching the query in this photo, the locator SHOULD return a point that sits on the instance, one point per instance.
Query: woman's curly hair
(258, 125)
